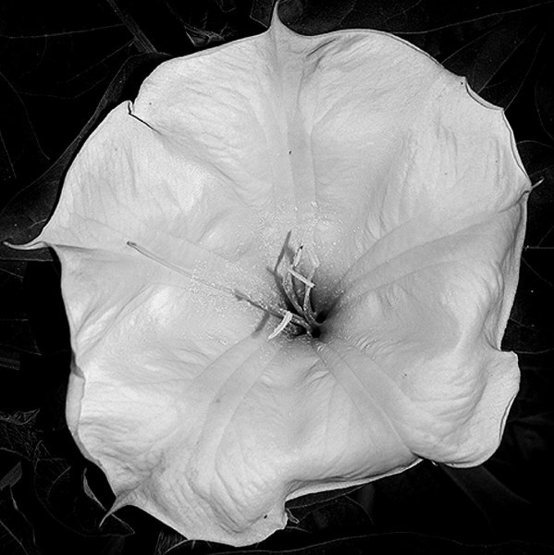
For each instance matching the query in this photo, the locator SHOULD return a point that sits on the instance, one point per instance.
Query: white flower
(206, 395)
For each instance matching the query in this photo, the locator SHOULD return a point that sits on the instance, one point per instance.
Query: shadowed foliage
(63, 66)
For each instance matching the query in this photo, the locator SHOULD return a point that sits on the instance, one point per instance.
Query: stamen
(175, 268)
(284, 323)
(274, 311)
(307, 308)
(297, 256)
(301, 278)
(287, 316)
(288, 288)
(301, 302)
(259, 304)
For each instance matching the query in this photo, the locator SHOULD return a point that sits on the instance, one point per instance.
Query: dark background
(63, 65)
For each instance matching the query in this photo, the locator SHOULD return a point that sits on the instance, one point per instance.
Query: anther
(301, 278)
(297, 256)
(282, 325)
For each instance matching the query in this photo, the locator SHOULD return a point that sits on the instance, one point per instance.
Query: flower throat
(299, 316)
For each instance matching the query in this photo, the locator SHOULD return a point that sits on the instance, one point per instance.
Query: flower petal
(209, 433)
(431, 319)
(406, 187)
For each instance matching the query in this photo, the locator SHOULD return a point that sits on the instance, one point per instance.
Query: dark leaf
(25, 215)
(11, 477)
(19, 145)
(526, 338)
(16, 331)
(319, 498)
(141, 39)
(365, 497)
(114, 545)
(62, 19)
(424, 500)
(544, 98)
(531, 328)
(412, 544)
(511, 76)
(226, 6)
(340, 516)
(18, 433)
(160, 26)
(201, 38)
(400, 17)
(9, 358)
(17, 536)
(13, 268)
(539, 261)
(525, 458)
(262, 10)
(47, 314)
(54, 60)
(496, 503)
(533, 433)
(538, 160)
(169, 542)
(350, 506)
(59, 487)
(536, 388)
(308, 17)
(480, 59)
(422, 16)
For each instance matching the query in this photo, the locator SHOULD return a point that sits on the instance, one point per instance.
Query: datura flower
(287, 268)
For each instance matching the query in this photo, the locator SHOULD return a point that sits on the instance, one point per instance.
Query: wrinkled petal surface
(404, 184)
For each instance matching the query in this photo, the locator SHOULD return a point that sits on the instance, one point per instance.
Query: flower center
(299, 315)
(297, 289)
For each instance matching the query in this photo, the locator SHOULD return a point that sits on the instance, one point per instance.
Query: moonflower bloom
(287, 268)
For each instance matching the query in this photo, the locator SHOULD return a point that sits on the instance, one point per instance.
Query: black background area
(63, 66)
